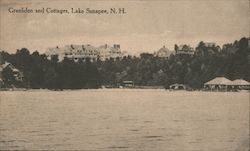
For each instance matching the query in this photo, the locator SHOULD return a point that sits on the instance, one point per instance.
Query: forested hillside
(231, 61)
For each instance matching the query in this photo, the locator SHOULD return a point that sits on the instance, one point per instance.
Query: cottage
(209, 44)
(163, 52)
(18, 75)
(184, 50)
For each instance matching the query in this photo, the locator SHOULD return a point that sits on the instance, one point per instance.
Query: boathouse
(177, 86)
(224, 84)
(218, 83)
(240, 84)
(128, 84)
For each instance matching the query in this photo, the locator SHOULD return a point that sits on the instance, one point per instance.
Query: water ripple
(153, 136)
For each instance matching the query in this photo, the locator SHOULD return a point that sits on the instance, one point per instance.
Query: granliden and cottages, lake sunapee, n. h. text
(49, 10)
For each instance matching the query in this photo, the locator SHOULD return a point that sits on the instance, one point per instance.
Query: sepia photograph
(125, 75)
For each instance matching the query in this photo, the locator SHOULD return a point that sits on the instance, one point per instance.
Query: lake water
(114, 120)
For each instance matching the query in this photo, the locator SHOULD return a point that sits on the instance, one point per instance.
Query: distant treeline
(231, 61)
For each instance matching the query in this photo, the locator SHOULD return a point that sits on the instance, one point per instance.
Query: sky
(146, 26)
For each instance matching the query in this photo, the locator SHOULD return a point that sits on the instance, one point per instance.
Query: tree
(176, 48)
(54, 58)
(51, 78)
(207, 63)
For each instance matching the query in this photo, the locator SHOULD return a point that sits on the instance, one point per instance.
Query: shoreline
(116, 89)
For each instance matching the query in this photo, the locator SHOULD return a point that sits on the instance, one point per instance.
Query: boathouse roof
(219, 81)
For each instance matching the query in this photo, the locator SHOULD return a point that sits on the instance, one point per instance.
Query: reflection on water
(124, 120)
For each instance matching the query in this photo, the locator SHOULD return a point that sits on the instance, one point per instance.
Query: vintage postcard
(126, 75)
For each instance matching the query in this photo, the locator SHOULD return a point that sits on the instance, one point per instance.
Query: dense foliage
(231, 61)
